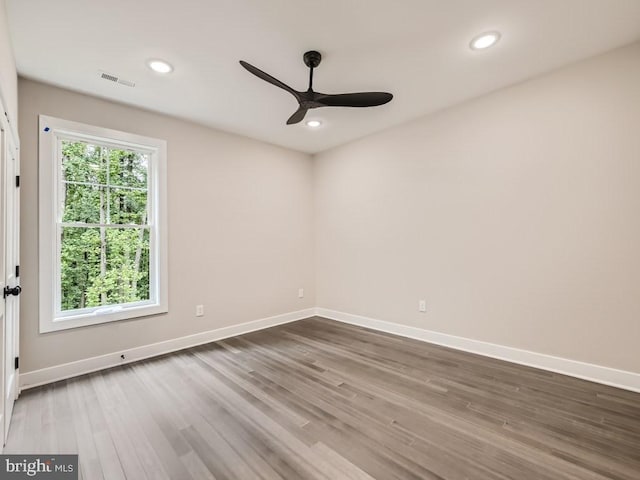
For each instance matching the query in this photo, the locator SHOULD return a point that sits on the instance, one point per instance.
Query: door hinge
(17, 270)
(17, 180)
(17, 363)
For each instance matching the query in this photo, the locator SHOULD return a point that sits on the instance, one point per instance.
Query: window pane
(127, 264)
(103, 266)
(83, 162)
(84, 203)
(127, 206)
(128, 168)
(79, 265)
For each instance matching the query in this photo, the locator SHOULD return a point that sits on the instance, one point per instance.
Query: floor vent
(113, 78)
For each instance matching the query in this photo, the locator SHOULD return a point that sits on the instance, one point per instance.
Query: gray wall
(515, 215)
(240, 229)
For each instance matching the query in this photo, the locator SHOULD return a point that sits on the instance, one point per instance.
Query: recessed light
(313, 123)
(485, 40)
(159, 66)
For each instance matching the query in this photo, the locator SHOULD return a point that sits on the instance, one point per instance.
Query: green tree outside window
(104, 237)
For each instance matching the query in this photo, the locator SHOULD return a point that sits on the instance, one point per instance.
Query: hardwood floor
(317, 399)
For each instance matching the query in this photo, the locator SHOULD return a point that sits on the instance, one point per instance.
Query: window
(102, 225)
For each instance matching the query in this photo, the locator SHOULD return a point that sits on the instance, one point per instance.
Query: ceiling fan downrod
(312, 59)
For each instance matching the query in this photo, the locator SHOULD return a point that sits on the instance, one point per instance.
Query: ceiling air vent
(116, 79)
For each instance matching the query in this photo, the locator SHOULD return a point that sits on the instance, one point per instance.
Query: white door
(10, 274)
(3, 142)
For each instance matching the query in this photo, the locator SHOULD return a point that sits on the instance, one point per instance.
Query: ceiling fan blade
(364, 99)
(268, 78)
(298, 116)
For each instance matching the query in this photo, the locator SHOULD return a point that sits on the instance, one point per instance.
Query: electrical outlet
(199, 310)
(422, 306)
(301, 293)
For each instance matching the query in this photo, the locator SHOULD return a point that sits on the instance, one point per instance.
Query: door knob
(12, 291)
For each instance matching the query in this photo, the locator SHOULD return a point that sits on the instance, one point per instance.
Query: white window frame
(52, 130)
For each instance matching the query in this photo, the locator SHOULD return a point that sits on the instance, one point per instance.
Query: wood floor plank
(130, 425)
(288, 445)
(67, 442)
(196, 467)
(321, 400)
(149, 413)
(118, 431)
(104, 442)
(89, 460)
(17, 427)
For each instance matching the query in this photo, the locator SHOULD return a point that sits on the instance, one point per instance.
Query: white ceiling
(416, 49)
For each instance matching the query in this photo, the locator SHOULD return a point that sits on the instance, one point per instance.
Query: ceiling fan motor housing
(312, 58)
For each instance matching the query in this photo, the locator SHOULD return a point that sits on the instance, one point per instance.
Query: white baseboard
(586, 371)
(88, 365)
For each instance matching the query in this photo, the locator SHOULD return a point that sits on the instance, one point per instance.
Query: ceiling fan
(311, 99)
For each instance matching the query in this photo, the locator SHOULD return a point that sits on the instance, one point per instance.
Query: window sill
(97, 318)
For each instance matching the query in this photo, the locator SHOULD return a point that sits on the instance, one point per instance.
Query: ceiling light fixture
(313, 123)
(485, 40)
(159, 66)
